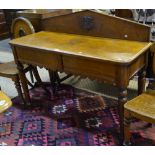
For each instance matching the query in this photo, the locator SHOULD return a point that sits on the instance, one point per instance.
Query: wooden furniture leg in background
(122, 99)
(141, 81)
(24, 83)
(39, 81)
(31, 76)
(53, 79)
(19, 90)
(127, 134)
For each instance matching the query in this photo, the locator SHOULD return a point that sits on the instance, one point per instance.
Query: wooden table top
(114, 50)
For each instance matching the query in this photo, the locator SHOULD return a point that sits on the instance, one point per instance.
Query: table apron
(114, 73)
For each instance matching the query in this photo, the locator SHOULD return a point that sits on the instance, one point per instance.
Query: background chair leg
(31, 76)
(64, 78)
(141, 81)
(30, 84)
(19, 90)
(57, 78)
(39, 81)
(127, 134)
(53, 80)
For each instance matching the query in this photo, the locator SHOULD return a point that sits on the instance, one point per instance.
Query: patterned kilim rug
(71, 117)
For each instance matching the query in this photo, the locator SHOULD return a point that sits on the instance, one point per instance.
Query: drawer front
(99, 70)
(39, 57)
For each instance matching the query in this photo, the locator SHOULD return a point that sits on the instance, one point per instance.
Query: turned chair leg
(127, 134)
(19, 90)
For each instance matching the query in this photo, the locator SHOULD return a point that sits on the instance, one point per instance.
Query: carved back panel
(97, 24)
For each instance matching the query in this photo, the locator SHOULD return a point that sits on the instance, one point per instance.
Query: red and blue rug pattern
(72, 117)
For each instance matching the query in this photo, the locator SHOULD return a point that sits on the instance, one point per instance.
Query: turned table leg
(127, 134)
(122, 99)
(53, 79)
(19, 90)
(24, 83)
(141, 81)
(22, 77)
